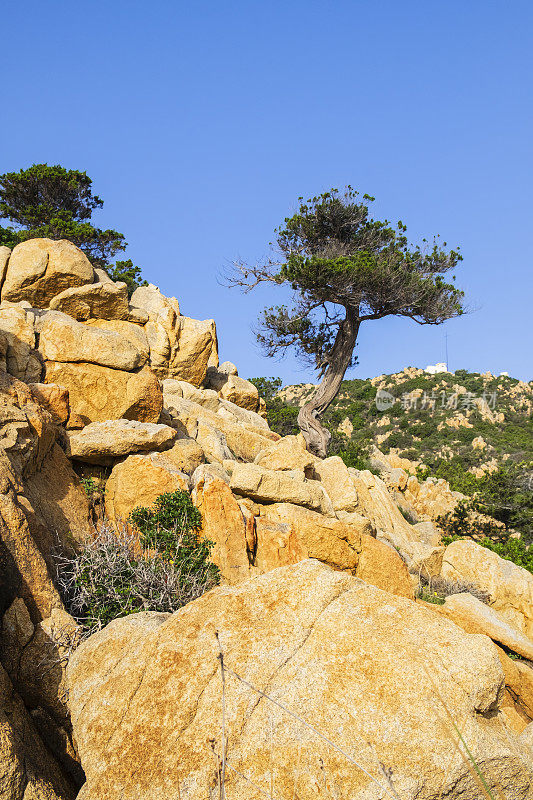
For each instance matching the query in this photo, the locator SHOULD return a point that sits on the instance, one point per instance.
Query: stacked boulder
(94, 382)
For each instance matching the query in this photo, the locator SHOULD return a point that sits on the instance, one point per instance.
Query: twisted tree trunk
(317, 437)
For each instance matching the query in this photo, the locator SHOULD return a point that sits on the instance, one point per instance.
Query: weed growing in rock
(437, 588)
(160, 565)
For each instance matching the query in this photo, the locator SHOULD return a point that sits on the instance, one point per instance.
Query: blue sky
(202, 123)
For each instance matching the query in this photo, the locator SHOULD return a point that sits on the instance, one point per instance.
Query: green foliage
(52, 202)
(128, 273)
(335, 253)
(109, 578)
(90, 486)
(267, 387)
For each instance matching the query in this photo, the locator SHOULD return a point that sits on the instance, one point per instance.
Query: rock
(234, 413)
(377, 505)
(146, 695)
(204, 397)
(41, 268)
(338, 483)
(5, 252)
(274, 486)
(28, 771)
(28, 431)
(135, 334)
(104, 442)
(206, 473)
(510, 586)
(99, 393)
(229, 386)
(93, 301)
(138, 481)
(287, 453)
(380, 565)
(518, 681)
(65, 340)
(197, 340)
(224, 525)
(21, 359)
(218, 437)
(58, 512)
(54, 398)
(288, 533)
(186, 455)
(475, 617)
(180, 347)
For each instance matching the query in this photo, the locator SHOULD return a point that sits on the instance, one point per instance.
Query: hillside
(167, 558)
(476, 420)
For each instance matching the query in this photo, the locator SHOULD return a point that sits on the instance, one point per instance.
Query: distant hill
(474, 430)
(478, 419)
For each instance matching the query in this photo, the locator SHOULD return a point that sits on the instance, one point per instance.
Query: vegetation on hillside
(473, 430)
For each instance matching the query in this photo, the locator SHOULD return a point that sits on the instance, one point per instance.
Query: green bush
(112, 576)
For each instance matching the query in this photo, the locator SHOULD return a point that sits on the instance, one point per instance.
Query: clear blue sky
(202, 122)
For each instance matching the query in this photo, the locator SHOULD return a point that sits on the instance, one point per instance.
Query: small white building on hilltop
(436, 368)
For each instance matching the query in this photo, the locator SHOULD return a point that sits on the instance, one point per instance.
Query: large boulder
(287, 533)
(39, 269)
(21, 359)
(223, 524)
(368, 671)
(54, 399)
(135, 334)
(104, 442)
(476, 617)
(376, 504)
(510, 586)
(138, 481)
(99, 393)
(275, 486)
(338, 483)
(63, 339)
(196, 344)
(219, 437)
(28, 771)
(287, 453)
(105, 300)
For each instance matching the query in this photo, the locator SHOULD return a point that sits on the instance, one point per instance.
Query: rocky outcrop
(105, 442)
(89, 382)
(510, 587)
(138, 481)
(39, 269)
(100, 393)
(328, 651)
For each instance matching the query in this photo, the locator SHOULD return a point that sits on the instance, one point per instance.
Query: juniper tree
(55, 203)
(344, 268)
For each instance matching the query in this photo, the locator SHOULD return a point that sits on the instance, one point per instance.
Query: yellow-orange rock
(99, 393)
(362, 666)
(224, 525)
(38, 269)
(138, 481)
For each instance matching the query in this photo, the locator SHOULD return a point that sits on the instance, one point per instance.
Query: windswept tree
(55, 203)
(344, 268)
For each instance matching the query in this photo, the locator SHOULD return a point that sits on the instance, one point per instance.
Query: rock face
(105, 442)
(138, 481)
(63, 339)
(89, 380)
(510, 586)
(39, 269)
(99, 393)
(345, 657)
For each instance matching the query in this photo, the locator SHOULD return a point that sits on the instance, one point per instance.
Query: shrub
(437, 589)
(112, 576)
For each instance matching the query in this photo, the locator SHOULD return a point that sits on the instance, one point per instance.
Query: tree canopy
(56, 203)
(345, 268)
